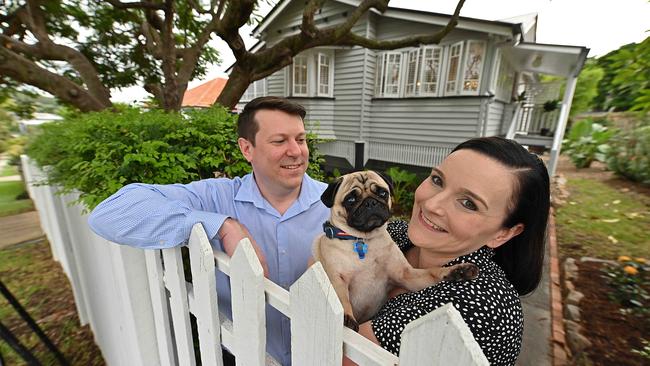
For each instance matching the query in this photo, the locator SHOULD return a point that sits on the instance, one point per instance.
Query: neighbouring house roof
(205, 94)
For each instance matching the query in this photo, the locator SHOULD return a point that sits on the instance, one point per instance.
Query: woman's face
(462, 205)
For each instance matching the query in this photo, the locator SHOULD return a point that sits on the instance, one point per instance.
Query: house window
(299, 73)
(412, 73)
(311, 74)
(431, 70)
(475, 55)
(254, 90)
(453, 68)
(323, 74)
(389, 77)
(431, 59)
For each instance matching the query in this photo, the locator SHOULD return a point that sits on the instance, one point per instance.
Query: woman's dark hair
(521, 257)
(247, 126)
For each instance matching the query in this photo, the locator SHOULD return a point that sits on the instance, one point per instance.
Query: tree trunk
(235, 87)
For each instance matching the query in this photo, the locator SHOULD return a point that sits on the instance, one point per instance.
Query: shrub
(630, 282)
(98, 153)
(629, 155)
(404, 185)
(587, 141)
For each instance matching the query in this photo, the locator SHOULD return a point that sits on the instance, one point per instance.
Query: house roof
(481, 25)
(547, 58)
(205, 94)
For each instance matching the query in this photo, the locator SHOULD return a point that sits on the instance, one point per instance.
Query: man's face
(280, 155)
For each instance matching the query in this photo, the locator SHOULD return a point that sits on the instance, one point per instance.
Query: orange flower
(630, 270)
(641, 260)
(624, 258)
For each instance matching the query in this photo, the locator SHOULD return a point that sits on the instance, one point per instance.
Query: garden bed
(604, 217)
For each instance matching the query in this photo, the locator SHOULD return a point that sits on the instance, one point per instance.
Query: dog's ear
(328, 196)
(388, 180)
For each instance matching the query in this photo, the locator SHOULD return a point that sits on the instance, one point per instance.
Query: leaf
(610, 221)
(612, 239)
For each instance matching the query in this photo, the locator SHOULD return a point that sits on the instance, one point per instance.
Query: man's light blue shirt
(161, 216)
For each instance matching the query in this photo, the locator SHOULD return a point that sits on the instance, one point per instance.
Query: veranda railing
(138, 303)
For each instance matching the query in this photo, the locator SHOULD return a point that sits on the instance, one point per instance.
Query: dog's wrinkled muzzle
(369, 215)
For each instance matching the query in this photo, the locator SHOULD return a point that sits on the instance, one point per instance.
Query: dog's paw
(350, 322)
(462, 272)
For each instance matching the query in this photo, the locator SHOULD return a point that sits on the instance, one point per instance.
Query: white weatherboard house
(412, 105)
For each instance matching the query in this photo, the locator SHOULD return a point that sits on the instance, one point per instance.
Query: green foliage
(98, 153)
(626, 78)
(586, 88)
(404, 185)
(629, 155)
(587, 141)
(630, 283)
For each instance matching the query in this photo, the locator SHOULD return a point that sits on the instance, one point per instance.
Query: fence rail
(139, 303)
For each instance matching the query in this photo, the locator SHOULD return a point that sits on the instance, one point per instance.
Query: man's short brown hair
(247, 126)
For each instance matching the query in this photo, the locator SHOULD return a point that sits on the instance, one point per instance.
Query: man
(278, 207)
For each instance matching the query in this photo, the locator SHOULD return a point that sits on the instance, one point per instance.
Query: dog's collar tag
(361, 248)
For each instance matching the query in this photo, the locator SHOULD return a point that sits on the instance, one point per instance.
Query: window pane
(430, 70)
(300, 75)
(473, 66)
(391, 86)
(411, 77)
(324, 74)
(452, 71)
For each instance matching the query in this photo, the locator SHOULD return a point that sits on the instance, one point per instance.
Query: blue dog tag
(361, 248)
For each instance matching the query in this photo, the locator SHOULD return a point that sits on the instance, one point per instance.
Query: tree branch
(135, 5)
(25, 71)
(308, 27)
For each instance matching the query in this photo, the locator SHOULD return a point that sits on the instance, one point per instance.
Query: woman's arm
(365, 330)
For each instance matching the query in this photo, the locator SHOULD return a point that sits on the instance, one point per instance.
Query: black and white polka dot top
(489, 305)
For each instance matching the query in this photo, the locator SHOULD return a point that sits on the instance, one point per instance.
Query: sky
(600, 25)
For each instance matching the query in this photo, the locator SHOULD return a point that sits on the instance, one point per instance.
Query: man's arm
(156, 216)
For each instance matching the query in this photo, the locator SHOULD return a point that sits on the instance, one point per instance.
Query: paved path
(20, 228)
(536, 348)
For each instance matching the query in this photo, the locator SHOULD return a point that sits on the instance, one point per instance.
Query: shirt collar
(310, 192)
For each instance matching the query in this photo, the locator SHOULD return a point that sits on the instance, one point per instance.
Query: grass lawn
(8, 170)
(39, 284)
(601, 221)
(9, 205)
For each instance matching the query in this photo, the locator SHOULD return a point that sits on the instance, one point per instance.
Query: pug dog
(359, 256)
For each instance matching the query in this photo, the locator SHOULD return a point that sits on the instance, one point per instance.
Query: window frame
(465, 68)
(456, 79)
(440, 50)
(292, 83)
(330, 74)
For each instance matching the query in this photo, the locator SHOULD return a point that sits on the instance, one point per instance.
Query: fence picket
(440, 338)
(316, 320)
(175, 283)
(159, 307)
(249, 319)
(205, 296)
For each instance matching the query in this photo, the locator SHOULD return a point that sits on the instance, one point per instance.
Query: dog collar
(332, 232)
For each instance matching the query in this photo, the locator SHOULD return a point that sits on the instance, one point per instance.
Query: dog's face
(359, 201)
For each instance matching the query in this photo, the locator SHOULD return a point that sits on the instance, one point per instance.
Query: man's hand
(231, 232)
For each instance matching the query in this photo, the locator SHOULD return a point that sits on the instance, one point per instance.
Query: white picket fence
(138, 302)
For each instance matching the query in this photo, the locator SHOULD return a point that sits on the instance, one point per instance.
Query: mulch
(612, 333)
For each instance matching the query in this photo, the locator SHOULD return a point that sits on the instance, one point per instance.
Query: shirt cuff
(211, 223)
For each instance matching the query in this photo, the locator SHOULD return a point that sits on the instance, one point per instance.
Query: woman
(488, 204)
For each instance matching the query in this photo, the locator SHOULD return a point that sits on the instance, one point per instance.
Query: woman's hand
(231, 232)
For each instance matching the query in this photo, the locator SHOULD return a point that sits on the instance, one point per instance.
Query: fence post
(316, 320)
(205, 296)
(248, 317)
(440, 338)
